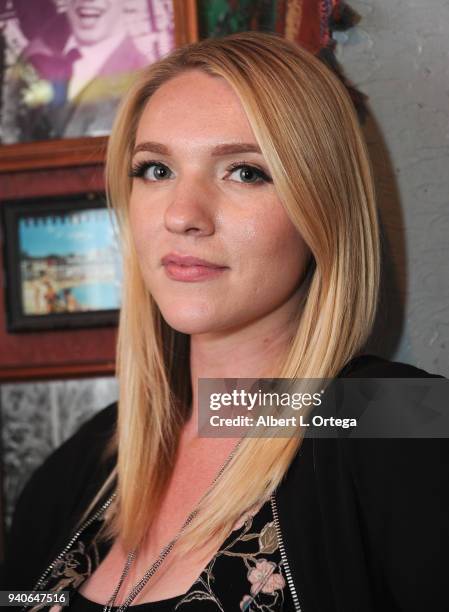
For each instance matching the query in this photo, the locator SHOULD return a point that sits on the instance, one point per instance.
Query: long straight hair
(306, 126)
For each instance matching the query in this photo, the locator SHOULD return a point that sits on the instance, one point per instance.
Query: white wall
(398, 55)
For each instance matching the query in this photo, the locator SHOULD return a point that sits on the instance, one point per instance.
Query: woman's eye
(244, 173)
(156, 171)
(151, 171)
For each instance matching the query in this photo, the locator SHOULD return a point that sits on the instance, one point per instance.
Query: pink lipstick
(190, 269)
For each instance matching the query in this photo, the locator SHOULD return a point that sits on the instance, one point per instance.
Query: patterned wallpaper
(38, 417)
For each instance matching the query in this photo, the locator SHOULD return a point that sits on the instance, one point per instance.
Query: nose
(190, 210)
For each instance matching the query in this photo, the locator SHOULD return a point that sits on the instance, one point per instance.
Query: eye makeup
(139, 169)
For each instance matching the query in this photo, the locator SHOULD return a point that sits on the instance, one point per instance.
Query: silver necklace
(137, 588)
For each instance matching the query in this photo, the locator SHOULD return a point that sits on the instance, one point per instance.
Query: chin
(189, 327)
(189, 319)
(193, 318)
(90, 36)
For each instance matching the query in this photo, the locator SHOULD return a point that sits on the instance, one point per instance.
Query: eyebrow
(219, 150)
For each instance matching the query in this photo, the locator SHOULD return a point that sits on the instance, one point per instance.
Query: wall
(398, 55)
(38, 417)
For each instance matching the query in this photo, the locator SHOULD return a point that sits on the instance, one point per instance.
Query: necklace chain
(137, 588)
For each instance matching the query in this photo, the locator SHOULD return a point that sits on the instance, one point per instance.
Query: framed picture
(222, 17)
(42, 172)
(67, 63)
(62, 263)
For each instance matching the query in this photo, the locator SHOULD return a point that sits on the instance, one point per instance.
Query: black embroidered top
(245, 574)
(339, 500)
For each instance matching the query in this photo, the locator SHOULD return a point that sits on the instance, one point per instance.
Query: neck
(256, 350)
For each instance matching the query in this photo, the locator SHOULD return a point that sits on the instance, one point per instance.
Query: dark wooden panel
(70, 152)
(62, 353)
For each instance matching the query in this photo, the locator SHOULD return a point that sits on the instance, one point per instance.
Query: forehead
(194, 105)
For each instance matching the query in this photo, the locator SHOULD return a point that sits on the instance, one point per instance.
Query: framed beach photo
(62, 263)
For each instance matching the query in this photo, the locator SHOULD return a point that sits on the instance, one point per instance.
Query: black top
(364, 522)
(245, 574)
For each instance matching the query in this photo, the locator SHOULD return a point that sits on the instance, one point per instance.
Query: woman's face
(201, 188)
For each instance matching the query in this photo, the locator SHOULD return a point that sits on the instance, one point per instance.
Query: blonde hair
(307, 129)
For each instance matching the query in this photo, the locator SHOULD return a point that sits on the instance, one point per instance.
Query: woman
(51, 297)
(244, 152)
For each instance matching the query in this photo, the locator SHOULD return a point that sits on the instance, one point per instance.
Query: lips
(188, 260)
(89, 12)
(186, 268)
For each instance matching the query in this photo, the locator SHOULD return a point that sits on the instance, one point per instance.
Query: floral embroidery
(258, 586)
(72, 570)
(75, 567)
(263, 578)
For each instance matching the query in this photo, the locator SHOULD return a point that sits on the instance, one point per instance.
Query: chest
(248, 568)
(191, 479)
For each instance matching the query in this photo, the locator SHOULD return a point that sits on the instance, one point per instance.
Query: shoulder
(395, 450)
(378, 455)
(379, 506)
(402, 490)
(372, 366)
(79, 454)
(56, 495)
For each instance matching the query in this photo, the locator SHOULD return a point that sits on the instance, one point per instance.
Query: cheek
(112, 17)
(275, 251)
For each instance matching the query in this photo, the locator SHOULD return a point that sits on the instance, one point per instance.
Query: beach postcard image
(69, 262)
